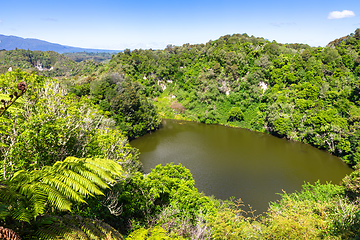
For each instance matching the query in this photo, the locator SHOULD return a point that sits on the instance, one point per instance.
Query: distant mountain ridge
(13, 42)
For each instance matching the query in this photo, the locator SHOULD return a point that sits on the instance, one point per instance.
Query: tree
(235, 114)
(144, 197)
(133, 112)
(357, 34)
(29, 194)
(52, 125)
(49, 182)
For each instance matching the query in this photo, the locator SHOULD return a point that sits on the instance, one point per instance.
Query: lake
(237, 162)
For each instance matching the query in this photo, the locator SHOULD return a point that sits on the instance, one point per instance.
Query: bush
(235, 114)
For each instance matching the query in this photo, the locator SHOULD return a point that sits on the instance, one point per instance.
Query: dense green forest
(81, 56)
(293, 91)
(68, 171)
(49, 63)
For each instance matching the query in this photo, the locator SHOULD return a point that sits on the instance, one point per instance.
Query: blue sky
(111, 24)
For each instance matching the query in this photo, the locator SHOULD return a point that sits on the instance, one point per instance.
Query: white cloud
(343, 14)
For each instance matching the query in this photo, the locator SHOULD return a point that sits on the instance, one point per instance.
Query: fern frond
(19, 178)
(38, 200)
(105, 174)
(56, 198)
(77, 227)
(67, 187)
(7, 194)
(92, 177)
(53, 227)
(4, 211)
(77, 175)
(31, 193)
(97, 170)
(13, 204)
(79, 183)
(110, 166)
(22, 215)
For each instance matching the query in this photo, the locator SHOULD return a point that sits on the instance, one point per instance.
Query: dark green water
(236, 162)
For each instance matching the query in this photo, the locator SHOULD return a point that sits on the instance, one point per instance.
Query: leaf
(29, 194)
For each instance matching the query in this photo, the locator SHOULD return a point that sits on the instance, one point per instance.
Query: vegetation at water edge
(68, 171)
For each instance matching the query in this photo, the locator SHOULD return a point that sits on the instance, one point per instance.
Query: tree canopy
(68, 171)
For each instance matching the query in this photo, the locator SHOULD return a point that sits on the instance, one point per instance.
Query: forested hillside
(294, 91)
(81, 56)
(47, 63)
(68, 172)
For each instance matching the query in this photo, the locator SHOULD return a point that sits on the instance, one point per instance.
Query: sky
(117, 24)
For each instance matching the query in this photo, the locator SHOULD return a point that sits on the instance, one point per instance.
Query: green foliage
(306, 93)
(351, 184)
(232, 222)
(319, 192)
(81, 56)
(39, 174)
(293, 91)
(313, 213)
(6, 103)
(235, 114)
(54, 125)
(75, 227)
(29, 194)
(134, 113)
(318, 211)
(48, 63)
(151, 234)
(165, 188)
(282, 126)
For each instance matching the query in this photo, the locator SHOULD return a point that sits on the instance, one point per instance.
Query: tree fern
(26, 195)
(29, 194)
(76, 227)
